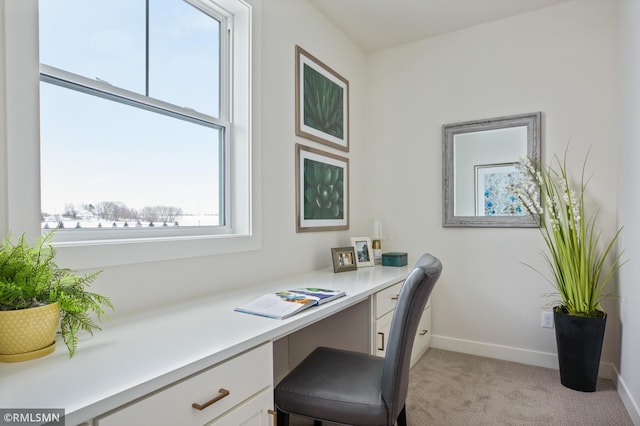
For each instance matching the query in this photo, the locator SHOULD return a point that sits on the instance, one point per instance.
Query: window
(101, 247)
(135, 129)
(20, 198)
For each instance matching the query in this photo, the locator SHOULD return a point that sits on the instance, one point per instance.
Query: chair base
(402, 417)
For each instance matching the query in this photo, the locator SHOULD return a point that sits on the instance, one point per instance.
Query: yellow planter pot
(28, 333)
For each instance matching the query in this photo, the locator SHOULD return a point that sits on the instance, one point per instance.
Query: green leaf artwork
(323, 103)
(323, 190)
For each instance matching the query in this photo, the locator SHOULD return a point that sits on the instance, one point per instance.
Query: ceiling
(380, 24)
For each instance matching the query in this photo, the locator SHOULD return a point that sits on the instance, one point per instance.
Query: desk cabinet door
(383, 325)
(254, 412)
(423, 336)
(421, 342)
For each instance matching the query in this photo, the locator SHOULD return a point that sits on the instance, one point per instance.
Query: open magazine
(283, 304)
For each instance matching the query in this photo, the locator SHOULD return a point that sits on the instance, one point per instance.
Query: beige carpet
(449, 388)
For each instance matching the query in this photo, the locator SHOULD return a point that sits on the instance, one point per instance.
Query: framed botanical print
(322, 190)
(322, 102)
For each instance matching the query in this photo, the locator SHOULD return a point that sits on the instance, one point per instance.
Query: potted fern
(581, 266)
(38, 298)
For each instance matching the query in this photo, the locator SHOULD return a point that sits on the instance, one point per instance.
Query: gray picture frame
(344, 259)
(531, 124)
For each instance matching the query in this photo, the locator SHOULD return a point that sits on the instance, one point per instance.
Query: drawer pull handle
(395, 297)
(221, 394)
(423, 332)
(382, 348)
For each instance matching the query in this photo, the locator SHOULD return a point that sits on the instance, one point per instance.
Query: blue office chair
(355, 388)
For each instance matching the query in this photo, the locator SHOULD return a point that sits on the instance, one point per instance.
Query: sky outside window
(95, 150)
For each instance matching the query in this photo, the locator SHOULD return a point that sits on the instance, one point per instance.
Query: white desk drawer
(242, 376)
(386, 299)
(255, 412)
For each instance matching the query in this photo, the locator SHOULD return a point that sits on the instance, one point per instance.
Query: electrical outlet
(546, 319)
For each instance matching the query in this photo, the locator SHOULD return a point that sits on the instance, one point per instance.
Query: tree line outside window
(114, 211)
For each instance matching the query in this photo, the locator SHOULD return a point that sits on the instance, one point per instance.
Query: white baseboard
(508, 353)
(632, 407)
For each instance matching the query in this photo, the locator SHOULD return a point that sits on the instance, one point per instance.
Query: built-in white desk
(152, 352)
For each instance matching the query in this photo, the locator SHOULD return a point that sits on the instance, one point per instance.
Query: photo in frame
(322, 102)
(364, 251)
(344, 259)
(322, 190)
(495, 190)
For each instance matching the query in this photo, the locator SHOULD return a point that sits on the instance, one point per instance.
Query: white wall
(629, 201)
(560, 61)
(284, 23)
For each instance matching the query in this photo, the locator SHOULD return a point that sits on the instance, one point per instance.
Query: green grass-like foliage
(323, 186)
(323, 103)
(581, 266)
(30, 277)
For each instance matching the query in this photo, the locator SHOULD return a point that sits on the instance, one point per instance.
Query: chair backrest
(404, 325)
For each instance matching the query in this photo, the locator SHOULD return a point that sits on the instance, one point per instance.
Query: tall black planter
(579, 341)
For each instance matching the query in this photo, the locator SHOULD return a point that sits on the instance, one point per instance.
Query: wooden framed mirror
(479, 164)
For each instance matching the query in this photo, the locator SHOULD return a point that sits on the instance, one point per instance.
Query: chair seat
(335, 385)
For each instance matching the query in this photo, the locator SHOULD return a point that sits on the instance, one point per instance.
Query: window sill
(99, 254)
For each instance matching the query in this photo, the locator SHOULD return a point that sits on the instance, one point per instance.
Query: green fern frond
(29, 276)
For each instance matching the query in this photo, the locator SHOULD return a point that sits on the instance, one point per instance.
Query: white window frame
(19, 147)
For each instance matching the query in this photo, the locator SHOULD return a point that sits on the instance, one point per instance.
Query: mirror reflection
(479, 169)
